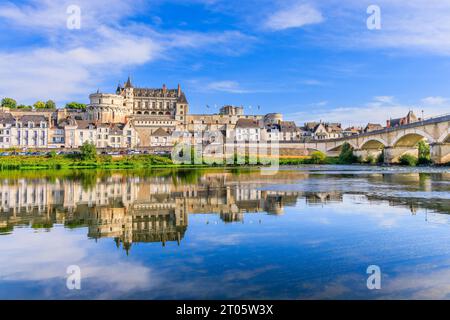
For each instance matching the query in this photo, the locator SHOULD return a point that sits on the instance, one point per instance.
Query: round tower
(107, 108)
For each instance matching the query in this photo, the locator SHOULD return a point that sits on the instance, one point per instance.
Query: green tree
(346, 156)
(409, 160)
(88, 151)
(424, 152)
(75, 106)
(39, 105)
(50, 104)
(318, 157)
(9, 103)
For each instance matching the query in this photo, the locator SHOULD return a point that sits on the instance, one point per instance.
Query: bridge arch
(410, 138)
(338, 147)
(373, 144)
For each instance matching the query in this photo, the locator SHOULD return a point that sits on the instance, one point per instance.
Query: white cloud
(378, 110)
(226, 86)
(44, 257)
(72, 63)
(294, 16)
(384, 99)
(434, 101)
(411, 27)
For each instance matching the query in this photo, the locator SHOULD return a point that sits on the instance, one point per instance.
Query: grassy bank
(62, 162)
(75, 162)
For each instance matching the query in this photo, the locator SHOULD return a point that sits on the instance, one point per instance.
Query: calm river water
(303, 233)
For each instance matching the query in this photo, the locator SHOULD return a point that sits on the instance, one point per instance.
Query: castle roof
(160, 132)
(288, 126)
(33, 118)
(247, 123)
(7, 118)
(154, 92)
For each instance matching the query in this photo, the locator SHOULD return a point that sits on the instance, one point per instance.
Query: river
(307, 232)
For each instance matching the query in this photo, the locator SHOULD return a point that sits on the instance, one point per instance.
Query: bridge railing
(436, 117)
(430, 120)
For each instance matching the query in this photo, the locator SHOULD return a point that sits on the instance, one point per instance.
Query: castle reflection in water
(149, 208)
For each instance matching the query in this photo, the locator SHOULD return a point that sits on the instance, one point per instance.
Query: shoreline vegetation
(87, 158)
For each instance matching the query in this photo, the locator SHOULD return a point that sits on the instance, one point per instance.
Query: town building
(372, 127)
(141, 118)
(409, 118)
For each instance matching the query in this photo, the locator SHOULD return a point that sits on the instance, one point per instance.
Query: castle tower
(128, 93)
(107, 108)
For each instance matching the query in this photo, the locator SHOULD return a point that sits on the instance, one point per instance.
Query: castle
(136, 118)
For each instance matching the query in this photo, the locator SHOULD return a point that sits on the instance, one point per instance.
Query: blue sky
(311, 60)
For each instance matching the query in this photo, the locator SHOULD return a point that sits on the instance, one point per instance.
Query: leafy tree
(424, 152)
(88, 151)
(318, 157)
(39, 105)
(75, 106)
(409, 160)
(9, 103)
(346, 156)
(50, 104)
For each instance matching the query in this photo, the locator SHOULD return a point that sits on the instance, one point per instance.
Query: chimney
(179, 90)
(164, 88)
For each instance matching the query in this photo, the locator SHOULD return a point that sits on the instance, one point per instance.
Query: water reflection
(154, 206)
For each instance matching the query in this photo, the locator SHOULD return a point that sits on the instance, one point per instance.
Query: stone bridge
(395, 141)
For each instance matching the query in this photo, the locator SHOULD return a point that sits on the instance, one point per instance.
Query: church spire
(128, 84)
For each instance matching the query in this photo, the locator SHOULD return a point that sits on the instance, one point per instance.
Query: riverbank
(60, 162)
(20, 162)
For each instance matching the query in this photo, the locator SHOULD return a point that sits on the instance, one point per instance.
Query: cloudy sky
(311, 60)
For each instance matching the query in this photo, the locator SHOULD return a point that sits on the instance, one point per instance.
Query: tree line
(10, 103)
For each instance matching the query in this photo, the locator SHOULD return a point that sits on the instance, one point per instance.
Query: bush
(51, 154)
(371, 159)
(88, 151)
(75, 106)
(346, 156)
(409, 160)
(318, 157)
